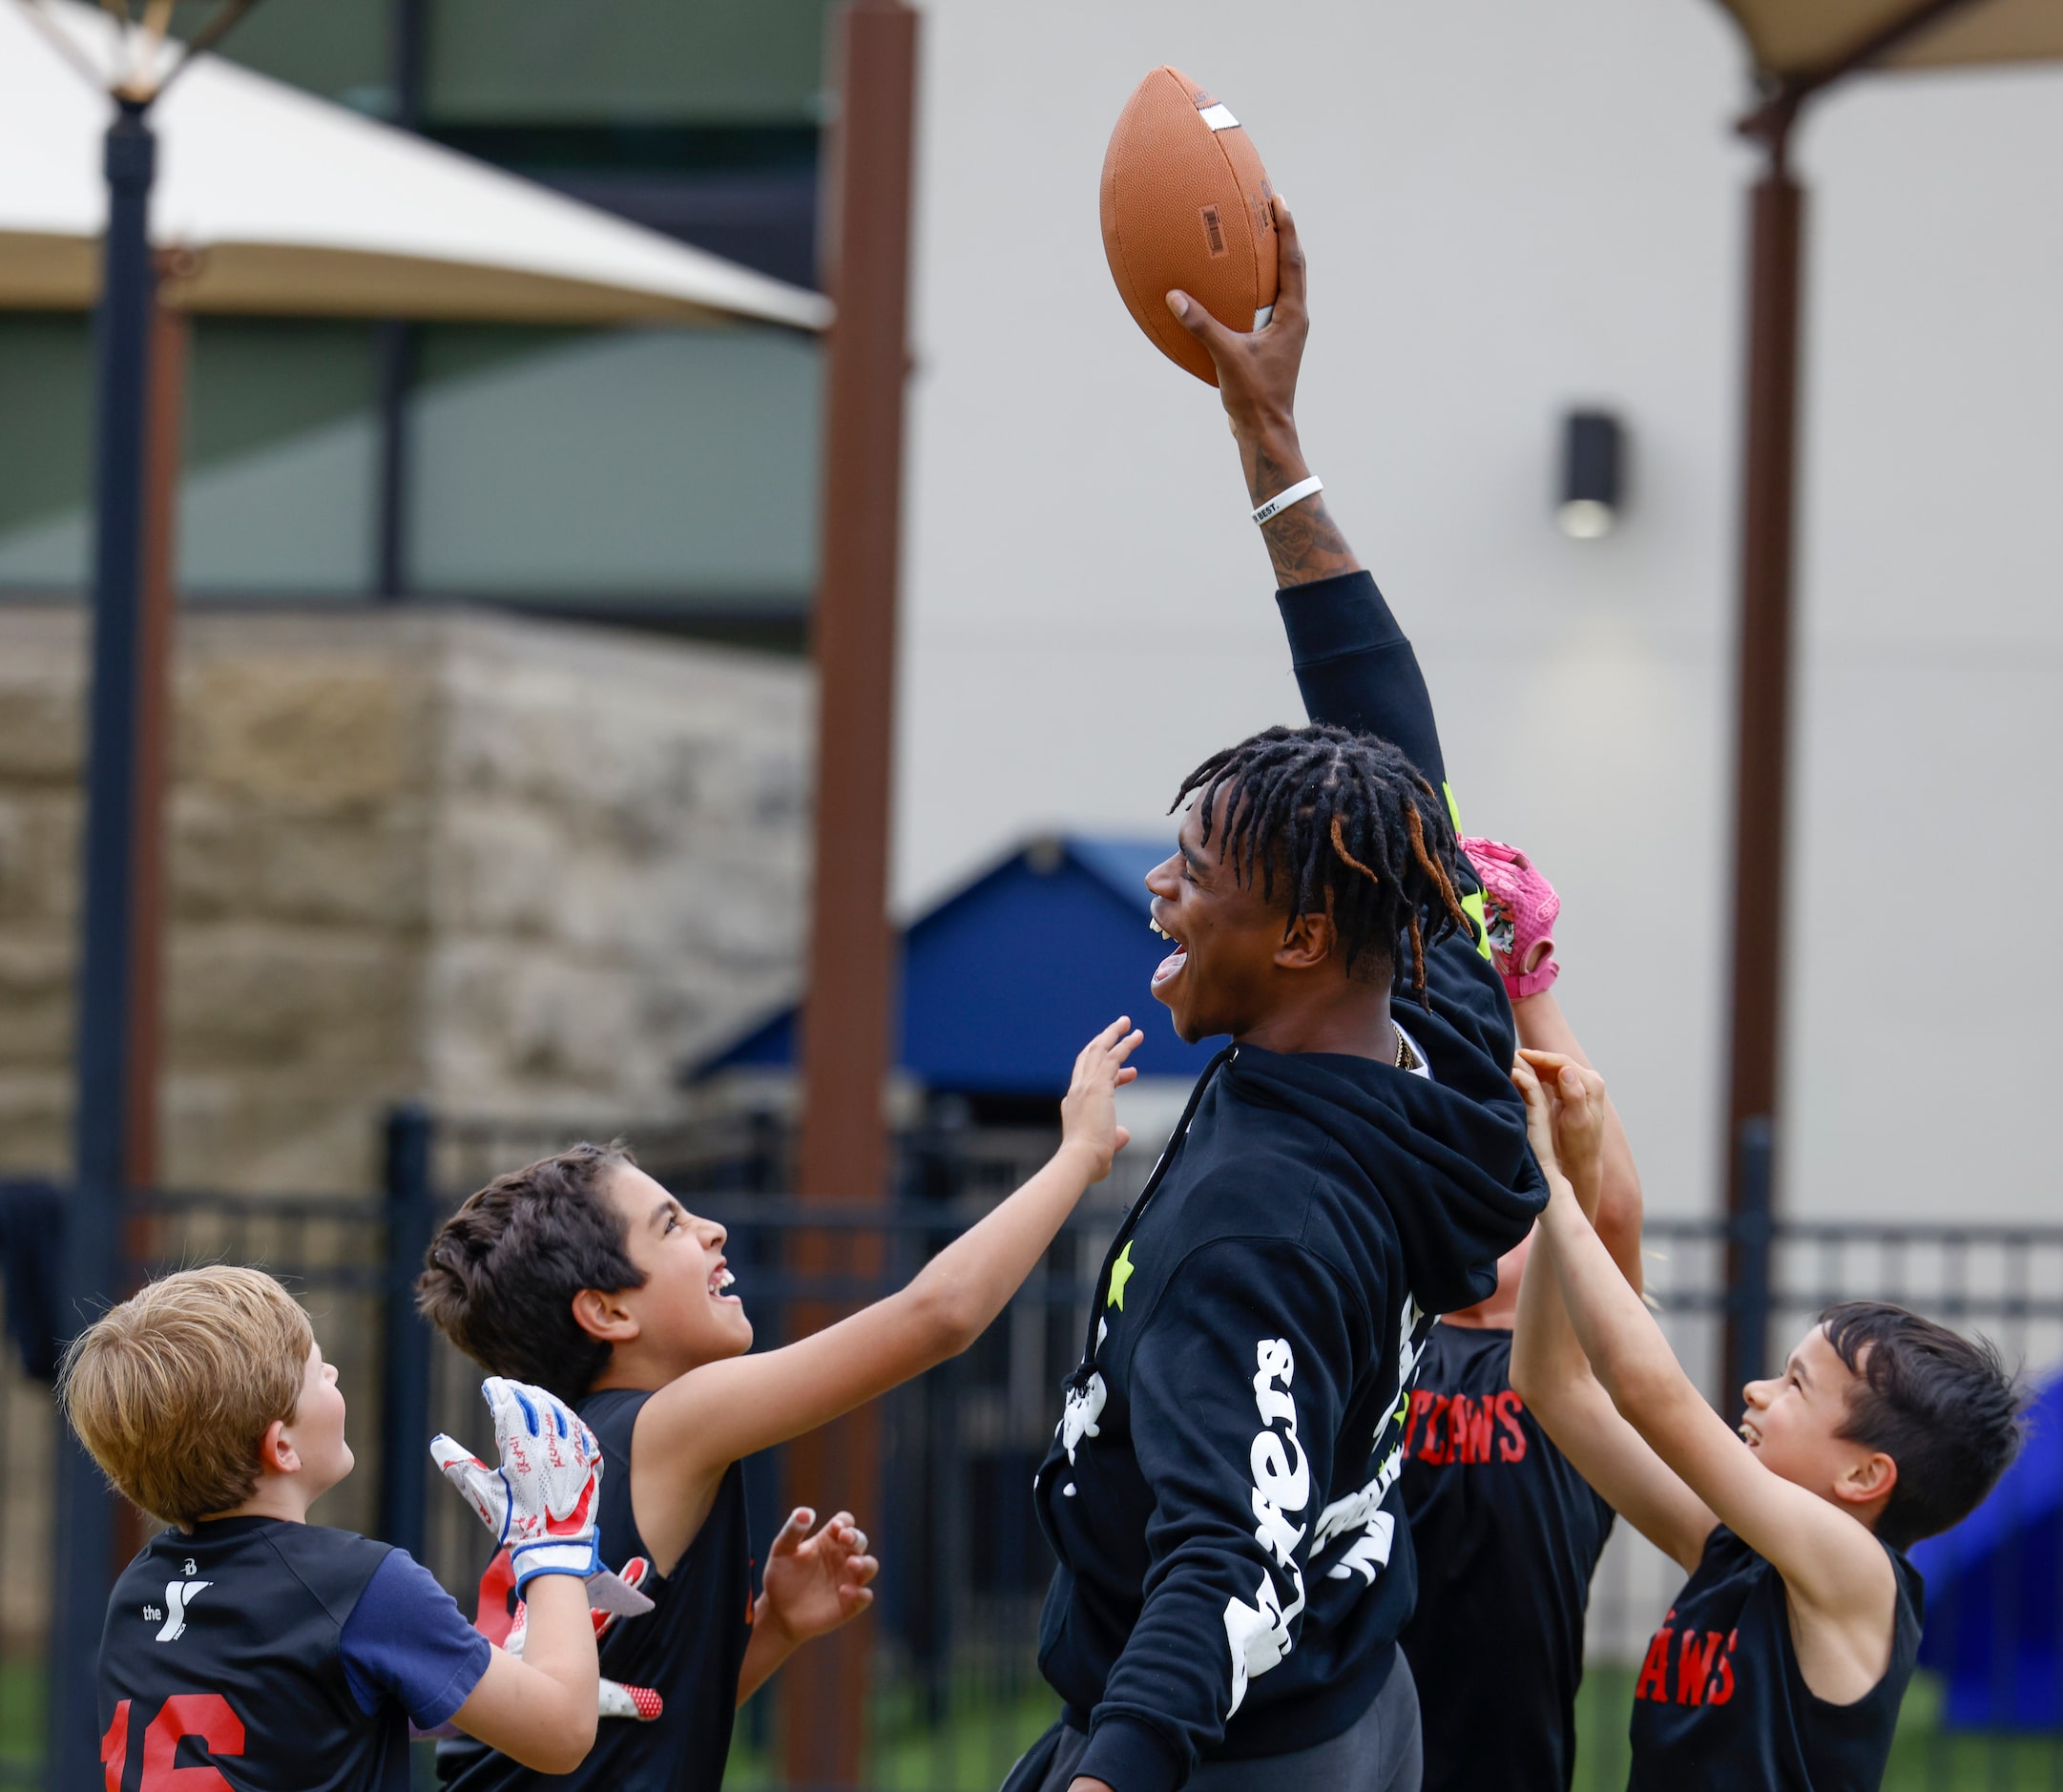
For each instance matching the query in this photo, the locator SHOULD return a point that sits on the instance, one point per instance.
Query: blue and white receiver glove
(542, 1503)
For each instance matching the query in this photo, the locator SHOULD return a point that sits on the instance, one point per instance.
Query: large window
(661, 471)
(645, 472)
(277, 498)
(628, 468)
(567, 61)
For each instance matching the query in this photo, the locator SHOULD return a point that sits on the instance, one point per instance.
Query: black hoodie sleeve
(1238, 1386)
(1355, 668)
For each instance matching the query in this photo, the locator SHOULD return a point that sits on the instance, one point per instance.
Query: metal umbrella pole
(94, 1221)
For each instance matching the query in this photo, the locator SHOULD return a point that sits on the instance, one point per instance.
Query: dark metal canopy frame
(1802, 47)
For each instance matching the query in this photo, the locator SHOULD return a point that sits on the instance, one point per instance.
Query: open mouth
(720, 1280)
(1749, 1435)
(1175, 960)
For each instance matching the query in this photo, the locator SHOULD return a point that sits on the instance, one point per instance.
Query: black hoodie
(1235, 1563)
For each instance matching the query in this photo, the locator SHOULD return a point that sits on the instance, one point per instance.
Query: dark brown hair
(1941, 1405)
(502, 1272)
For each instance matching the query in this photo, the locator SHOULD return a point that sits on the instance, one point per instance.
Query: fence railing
(964, 1568)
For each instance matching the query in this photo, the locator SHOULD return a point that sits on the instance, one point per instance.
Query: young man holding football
(1223, 1490)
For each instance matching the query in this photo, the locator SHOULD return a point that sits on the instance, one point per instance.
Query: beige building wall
(516, 869)
(1512, 209)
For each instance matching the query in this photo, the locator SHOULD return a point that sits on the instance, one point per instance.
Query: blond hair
(172, 1391)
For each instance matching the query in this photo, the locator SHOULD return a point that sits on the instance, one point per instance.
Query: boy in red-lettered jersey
(1789, 1650)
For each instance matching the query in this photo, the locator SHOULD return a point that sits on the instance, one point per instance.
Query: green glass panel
(618, 468)
(46, 448)
(282, 450)
(334, 48)
(583, 61)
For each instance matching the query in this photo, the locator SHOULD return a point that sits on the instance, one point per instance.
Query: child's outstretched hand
(1576, 1111)
(813, 1585)
(1088, 1110)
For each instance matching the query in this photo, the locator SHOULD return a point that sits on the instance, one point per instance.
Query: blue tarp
(1005, 980)
(1994, 1591)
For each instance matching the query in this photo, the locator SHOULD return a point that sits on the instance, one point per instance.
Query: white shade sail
(288, 205)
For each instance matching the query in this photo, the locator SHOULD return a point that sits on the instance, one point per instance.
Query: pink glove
(1520, 908)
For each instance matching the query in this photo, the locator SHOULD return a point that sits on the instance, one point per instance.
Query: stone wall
(512, 867)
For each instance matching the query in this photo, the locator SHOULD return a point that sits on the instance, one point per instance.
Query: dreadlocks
(1351, 828)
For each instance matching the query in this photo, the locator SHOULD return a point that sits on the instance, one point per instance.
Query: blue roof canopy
(1004, 981)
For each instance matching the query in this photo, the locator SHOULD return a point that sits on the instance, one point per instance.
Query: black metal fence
(957, 1691)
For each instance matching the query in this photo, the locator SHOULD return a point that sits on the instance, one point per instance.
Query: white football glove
(542, 1503)
(613, 1698)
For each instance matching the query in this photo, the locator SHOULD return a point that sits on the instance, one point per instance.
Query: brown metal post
(844, 1145)
(1762, 761)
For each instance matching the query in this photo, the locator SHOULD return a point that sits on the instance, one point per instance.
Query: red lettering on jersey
(1420, 1399)
(1654, 1680)
(1432, 1446)
(1512, 1446)
(115, 1747)
(1723, 1690)
(207, 1717)
(1694, 1666)
(1475, 1423)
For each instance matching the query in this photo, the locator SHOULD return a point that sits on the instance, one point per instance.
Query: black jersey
(222, 1645)
(1507, 1536)
(1720, 1702)
(688, 1648)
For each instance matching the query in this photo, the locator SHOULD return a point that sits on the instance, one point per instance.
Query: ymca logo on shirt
(179, 1595)
(1698, 1672)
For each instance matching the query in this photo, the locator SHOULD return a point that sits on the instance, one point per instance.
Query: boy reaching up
(289, 1656)
(584, 1275)
(1507, 1533)
(1786, 1655)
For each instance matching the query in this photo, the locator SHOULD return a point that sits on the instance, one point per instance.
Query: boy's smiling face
(1794, 1423)
(684, 1313)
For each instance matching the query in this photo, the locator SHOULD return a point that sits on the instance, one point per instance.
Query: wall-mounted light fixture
(1593, 481)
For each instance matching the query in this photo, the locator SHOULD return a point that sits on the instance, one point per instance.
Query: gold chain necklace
(1403, 1051)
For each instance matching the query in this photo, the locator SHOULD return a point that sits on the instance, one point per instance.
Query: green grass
(1924, 1758)
(21, 1716)
(968, 1750)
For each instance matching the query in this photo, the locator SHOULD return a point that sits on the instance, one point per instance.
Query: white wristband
(1282, 500)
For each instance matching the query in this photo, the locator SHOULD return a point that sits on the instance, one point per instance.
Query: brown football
(1187, 204)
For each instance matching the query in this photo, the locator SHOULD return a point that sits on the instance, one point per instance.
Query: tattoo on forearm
(1305, 544)
(1303, 541)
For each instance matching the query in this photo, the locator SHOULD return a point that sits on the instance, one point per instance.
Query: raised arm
(1353, 664)
(539, 1709)
(1543, 1027)
(695, 1427)
(1549, 1368)
(1839, 1579)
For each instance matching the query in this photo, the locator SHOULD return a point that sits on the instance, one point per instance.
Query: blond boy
(246, 1646)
